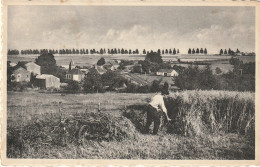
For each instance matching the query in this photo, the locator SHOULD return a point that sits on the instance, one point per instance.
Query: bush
(155, 87)
(73, 87)
(143, 89)
(18, 86)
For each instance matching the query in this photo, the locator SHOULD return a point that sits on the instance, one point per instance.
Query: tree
(47, 63)
(154, 57)
(101, 51)
(165, 89)
(70, 65)
(201, 50)
(101, 61)
(229, 51)
(197, 51)
(193, 51)
(13, 52)
(163, 52)
(205, 51)
(73, 87)
(237, 51)
(166, 51)
(174, 51)
(136, 51)
(144, 51)
(220, 52)
(112, 80)
(155, 87)
(122, 51)
(189, 51)
(218, 70)
(92, 82)
(225, 52)
(32, 78)
(146, 66)
(137, 69)
(159, 51)
(170, 51)
(178, 51)
(130, 51)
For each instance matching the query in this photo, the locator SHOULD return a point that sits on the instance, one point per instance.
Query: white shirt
(158, 103)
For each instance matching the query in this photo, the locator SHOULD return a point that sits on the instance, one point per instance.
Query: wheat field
(206, 125)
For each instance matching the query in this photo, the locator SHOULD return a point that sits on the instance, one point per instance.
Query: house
(75, 75)
(29, 66)
(128, 68)
(33, 68)
(111, 65)
(167, 73)
(100, 69)
(46, 81)
(21, 75)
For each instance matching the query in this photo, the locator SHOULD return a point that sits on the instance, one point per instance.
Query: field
(206, 125)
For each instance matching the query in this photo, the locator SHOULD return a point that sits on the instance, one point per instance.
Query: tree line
(229, 52)
(13, 52)
(90, 51)
(198, 51)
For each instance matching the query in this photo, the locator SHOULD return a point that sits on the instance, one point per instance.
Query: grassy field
(207, 125)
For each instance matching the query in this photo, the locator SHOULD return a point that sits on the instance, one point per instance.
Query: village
(130, 72)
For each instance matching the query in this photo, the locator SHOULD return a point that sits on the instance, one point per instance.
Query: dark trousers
(153, 116)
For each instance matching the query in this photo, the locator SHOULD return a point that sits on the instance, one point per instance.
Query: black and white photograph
(130, 82)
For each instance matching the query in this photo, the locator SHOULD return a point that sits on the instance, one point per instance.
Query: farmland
(227, 134)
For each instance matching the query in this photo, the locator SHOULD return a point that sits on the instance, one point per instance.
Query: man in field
(154, 112)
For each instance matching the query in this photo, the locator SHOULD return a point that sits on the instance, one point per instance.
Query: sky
(131, 27)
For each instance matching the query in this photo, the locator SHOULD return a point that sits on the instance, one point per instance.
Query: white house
(167, 73)
(75, 75)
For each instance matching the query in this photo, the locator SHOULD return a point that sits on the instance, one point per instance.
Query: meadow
(206, 125)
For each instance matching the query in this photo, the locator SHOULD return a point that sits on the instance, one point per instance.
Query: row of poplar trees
(198, 51)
